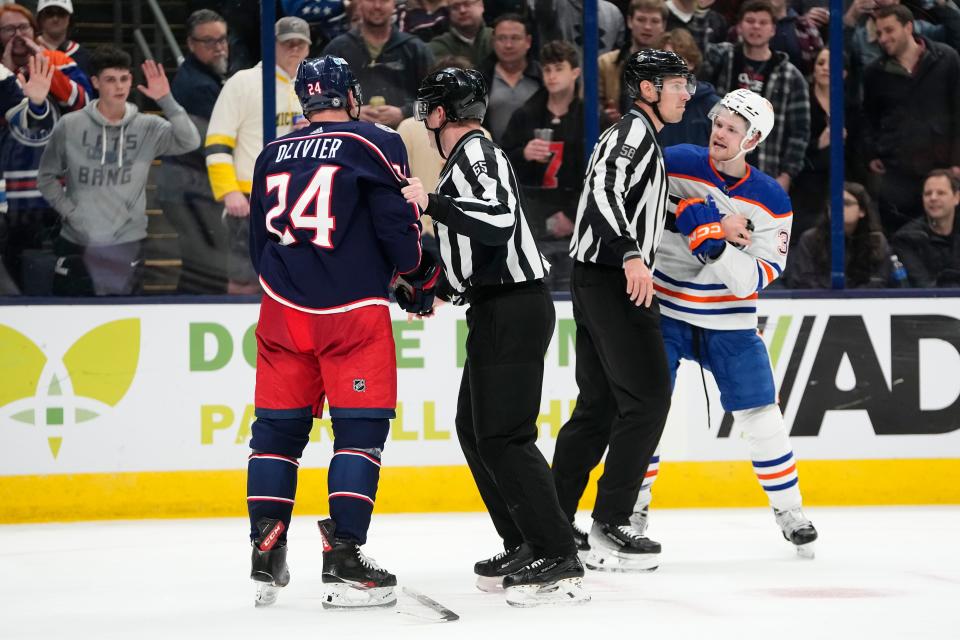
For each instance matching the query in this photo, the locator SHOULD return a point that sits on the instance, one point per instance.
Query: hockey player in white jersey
(707, 288)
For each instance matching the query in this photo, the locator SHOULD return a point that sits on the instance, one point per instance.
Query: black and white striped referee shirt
(623, 205)
(483, 232)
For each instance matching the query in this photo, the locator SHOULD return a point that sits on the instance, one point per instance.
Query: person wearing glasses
(468, 36)
(70, 86)
(185, 194)
(31, 223)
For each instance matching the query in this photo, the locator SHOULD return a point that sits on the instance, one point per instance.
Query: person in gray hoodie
(94, 173)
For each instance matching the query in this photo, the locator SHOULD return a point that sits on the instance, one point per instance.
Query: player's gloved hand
(699, 220)
(415, 291)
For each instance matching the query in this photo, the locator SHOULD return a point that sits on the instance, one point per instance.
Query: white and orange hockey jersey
(721, 293)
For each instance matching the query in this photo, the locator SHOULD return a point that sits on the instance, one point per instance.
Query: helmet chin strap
(743, 151)
(436, 135)
(653, 105)
(356, 100)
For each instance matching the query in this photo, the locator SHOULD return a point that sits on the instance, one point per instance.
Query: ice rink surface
(879, 573)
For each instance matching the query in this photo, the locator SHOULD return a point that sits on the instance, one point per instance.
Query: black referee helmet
(653, 65)
(461, 92)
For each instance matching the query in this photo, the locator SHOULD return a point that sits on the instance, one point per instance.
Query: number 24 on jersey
(310, 212)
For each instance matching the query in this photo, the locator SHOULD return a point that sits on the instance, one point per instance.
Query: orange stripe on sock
(779, 474)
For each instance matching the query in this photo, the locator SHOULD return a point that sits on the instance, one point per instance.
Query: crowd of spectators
(901, 114)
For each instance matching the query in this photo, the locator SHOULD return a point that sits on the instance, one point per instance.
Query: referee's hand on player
(639, 282)
(415, 194)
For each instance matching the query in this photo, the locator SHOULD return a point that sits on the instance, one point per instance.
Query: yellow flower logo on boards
(54, 394)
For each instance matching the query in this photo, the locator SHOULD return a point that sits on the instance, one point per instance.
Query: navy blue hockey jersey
(328, 225)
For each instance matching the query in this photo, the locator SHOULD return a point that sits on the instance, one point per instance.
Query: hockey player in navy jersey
(328, 231)
(708, 288)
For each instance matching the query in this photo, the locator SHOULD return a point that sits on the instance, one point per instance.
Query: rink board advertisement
(126, 411)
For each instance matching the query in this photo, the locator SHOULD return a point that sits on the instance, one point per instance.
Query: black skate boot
(547, 581)
(797, 529)
(621, 548)
(490, 572)
(269, 562)
(351, 578)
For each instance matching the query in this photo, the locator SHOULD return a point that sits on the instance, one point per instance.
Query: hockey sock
(354, 474)
(279, 436)
(646, 494)
(271, 487)
(772, 455)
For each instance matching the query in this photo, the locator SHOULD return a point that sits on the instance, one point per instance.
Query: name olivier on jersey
(320, 148)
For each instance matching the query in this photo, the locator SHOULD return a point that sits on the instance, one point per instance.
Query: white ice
(878, 573)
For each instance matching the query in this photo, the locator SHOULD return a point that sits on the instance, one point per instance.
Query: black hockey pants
(509, 329)
(624, 395)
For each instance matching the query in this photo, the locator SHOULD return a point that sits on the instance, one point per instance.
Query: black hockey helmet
(324, 83)
(461, 92)
(654, 65)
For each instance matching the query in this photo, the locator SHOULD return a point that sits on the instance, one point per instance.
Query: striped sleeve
(489, 216)
(221, 142)
(621, 161)
(68, 93)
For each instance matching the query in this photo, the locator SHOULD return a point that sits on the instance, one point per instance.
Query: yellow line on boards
(186, 494)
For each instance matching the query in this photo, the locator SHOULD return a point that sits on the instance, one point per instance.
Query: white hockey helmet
(752, 107)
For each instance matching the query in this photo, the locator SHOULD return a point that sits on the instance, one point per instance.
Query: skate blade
(622, 562)
(490, 585)
(567, 591)
(807, 551)
(266, 594)
(346, 596)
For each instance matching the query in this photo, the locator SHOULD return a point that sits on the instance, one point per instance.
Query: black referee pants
(624, 395)
(509, 329)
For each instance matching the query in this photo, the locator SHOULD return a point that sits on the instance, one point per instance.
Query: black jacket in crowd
(931, 260)
(913, 120)
(195, 87)
(395, 74)
(569, 131)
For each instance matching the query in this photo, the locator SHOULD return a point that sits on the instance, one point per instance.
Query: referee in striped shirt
(621, 368)
(491, 260)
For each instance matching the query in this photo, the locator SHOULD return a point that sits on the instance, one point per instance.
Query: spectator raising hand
(157, 84)
(36, 84)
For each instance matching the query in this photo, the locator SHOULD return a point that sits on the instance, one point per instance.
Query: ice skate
(620, 548)
(350, 578)
(581, 538)
(640, 519)
(798, 529)
(547, 581)
(490, 572)
(269, 562)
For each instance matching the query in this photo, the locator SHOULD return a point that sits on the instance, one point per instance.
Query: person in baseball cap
(54, 18)
(293, 43)
(292, 28)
